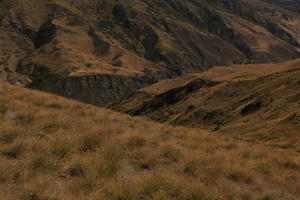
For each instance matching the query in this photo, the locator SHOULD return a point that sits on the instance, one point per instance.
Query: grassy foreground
(52, 148)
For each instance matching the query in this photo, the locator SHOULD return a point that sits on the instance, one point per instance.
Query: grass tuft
(121, 190)
(90, 142)
(76, 170)
(136, 142)
(144, 159)
(14, 152)
(112, 156)
(3, 108)
(8, 137)
(241, 177)
(264, 168)
(171, 153)
(41, 163)
(54, 106)
(53, 127)
(291, 165)
(160, 187)
(4, 172)
(191, 168)
(25, 119)
(60, 150)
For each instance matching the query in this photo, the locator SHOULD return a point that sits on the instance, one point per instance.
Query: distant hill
(220, 80)
(97, 51)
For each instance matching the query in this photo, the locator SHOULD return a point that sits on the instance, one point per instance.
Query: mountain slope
(98, 50)
(53, 148)
(247, 101)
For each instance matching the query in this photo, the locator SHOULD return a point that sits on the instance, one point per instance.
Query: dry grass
(258, 103)
(57, 149)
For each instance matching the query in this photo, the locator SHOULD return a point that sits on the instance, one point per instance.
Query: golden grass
(52, 148)
(258, 103)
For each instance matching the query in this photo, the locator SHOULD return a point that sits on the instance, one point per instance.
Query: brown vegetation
(257, 103)
(70, 47)
(57, 149)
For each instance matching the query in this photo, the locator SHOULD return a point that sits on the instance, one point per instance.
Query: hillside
(251, 102)
(53, 149)
(97, 51)
(204, 99)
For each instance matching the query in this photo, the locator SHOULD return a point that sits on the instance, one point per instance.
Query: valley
(71, 47)
(149, 100)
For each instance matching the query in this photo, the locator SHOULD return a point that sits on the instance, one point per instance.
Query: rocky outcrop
(96, 89)
(101, 89)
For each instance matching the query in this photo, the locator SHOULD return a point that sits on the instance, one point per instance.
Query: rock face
(247, 99)
(97, 89)
(70, 42)
(101, 89)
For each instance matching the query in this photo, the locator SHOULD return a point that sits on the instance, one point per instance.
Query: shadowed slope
(251, 102)
(64, 45)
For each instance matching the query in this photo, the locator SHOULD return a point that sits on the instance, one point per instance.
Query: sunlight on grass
(61, 149)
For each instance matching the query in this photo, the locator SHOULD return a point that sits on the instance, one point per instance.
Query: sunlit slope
(254, 102)
(53, 148)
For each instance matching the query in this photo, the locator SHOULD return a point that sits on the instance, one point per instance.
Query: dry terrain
(52, 148)
(217, 133)
(97, 51)
(251, 102)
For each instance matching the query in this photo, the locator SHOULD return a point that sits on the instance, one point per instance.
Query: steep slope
(53, 44)
(99, 50)
(252, 102)
(293, 5)
(52, 148)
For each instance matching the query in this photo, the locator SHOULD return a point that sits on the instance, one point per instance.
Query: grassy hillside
(64, 45)
(52, 148)
(252, 102)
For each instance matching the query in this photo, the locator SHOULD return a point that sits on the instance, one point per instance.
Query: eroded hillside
(97, 51)
(252, 102)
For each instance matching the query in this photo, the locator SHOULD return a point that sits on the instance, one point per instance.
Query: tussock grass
(76, 170)
(53, 126)
(136, 141)
(171, 153)
(42, 163)
(60, 149)
(14, 151)
(240, 176)
(144, 159)
(52, 148)
(89, 142)
(54, 106)
(191, 168)
(3, 108)
(8, 136)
